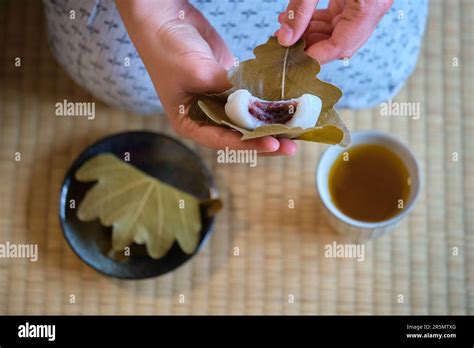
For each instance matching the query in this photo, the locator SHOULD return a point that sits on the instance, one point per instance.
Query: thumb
(208, 77)
(212, 75)
(193, 57)
(295, 20)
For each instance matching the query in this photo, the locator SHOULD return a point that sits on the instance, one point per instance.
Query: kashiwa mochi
(250, 112)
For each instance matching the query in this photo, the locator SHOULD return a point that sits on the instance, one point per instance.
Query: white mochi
(306, 115)
(237, 109)
(307, 111)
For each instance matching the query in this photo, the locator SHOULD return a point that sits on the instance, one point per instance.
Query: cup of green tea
(369, 187)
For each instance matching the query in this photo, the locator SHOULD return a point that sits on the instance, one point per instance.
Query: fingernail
(285, 35)
(292, 151)
(269, 145)
(290, 148)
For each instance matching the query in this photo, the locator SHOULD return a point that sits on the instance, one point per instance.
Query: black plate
(161, 157)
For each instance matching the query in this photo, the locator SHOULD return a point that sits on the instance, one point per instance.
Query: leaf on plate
(140, 208)
(278, 73)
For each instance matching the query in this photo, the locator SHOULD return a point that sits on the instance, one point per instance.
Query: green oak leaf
(140, 208)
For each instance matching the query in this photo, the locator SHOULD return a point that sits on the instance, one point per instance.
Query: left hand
(185, 57)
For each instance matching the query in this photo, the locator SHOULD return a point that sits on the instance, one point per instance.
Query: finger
(353, 26)
(287, 148)
(205, 76)
(280, 17)
(322, 15)
(337, 18)
(313, 38)
(217, 44)
(296, 19)
(324, 51)
(337, 7)
(202, 72)
(219, 48)
(319, 27)
(216, 137)
(347, 37)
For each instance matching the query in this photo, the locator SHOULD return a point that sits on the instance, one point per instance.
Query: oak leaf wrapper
(278, 73)
(140, 208)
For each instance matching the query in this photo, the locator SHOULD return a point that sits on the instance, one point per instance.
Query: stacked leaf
(278, 73)
(140, 208)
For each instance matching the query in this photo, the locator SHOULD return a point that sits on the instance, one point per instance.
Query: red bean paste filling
(273, 111)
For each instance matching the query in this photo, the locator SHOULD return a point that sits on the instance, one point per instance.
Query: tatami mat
(281, 250)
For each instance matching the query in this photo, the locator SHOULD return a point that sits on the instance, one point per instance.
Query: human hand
(185, 57)
(333, 33)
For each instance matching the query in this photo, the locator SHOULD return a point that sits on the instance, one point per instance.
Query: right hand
(184, 58)
(333, 33)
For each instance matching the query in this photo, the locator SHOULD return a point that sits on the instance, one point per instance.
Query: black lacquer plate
(157, 155)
